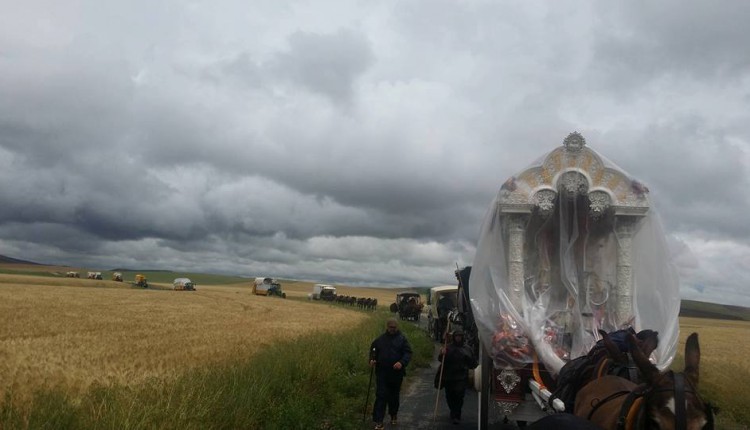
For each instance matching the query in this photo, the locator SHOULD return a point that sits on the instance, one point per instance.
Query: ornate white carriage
(570, 245)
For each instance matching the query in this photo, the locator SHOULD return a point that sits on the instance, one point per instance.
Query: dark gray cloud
(353, 141)
(698, 175)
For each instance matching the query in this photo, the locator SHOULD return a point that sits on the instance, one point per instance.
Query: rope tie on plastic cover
(535, 372)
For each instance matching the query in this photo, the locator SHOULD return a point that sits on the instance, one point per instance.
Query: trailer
(323, 292)
(571, 244)
(262, 285)
(408, 305)
(440, 302)
(183, 284)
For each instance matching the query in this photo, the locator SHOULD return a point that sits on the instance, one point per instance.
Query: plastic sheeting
(570, 276)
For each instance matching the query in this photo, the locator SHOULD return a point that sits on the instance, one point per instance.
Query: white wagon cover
(569, 245)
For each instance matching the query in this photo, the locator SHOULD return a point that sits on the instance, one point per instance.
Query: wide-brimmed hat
(458, 331)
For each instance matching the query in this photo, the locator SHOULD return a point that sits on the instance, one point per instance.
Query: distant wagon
(117, 277)
(94, 275)
(323, 292)
(408, 305)
(261, 286)
(441, 301)
(72, 275)
(140, 281)
(183, 284)
(267, 287)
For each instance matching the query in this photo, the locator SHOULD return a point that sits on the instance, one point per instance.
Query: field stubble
(724, 367)
(75, 333)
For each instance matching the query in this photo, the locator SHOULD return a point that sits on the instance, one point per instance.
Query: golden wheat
(723, 366)
(74, 332)
(722, 343)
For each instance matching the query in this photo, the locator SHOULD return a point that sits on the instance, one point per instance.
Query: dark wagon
(408, 305)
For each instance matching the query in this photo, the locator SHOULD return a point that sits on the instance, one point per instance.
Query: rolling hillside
(8, 260)
(691, 308)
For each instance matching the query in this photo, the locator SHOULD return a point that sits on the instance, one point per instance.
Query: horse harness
(632, 414)
(608, 366)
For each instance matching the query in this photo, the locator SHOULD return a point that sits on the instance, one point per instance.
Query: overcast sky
(359, 141)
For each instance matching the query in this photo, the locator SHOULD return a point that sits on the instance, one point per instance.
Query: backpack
(580, 369)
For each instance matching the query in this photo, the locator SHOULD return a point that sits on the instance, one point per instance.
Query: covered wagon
(571, 244)
(183, 284)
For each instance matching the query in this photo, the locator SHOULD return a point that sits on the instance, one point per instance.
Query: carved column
(516, 271)
(624, 229)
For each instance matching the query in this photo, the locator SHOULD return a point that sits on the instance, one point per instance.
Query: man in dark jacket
(458, 360)
(390, 353)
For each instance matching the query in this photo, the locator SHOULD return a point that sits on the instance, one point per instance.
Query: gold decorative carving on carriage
(569, 172)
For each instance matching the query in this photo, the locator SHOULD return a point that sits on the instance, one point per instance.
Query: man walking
(390, 353)
(458, 360)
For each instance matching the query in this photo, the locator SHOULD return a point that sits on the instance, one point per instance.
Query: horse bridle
(643, 392)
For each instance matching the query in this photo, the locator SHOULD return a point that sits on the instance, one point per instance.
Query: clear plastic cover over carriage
(570, 245)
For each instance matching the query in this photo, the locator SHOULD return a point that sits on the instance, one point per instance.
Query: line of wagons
(327, 293)
(140, 281)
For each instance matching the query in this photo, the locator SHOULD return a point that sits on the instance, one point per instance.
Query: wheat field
(72, 333)
(724, 362)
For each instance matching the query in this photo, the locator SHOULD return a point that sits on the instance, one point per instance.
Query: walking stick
(442, 368)
(369, 385)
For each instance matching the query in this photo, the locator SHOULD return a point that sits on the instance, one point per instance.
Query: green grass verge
(314, 382)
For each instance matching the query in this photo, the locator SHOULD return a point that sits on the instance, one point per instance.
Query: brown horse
(666, 401)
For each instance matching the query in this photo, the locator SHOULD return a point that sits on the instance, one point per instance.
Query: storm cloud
(356, 141)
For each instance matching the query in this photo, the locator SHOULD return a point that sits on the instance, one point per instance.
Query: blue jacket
(387, 349)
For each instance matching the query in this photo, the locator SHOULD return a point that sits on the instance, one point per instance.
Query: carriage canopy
(570, 245)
